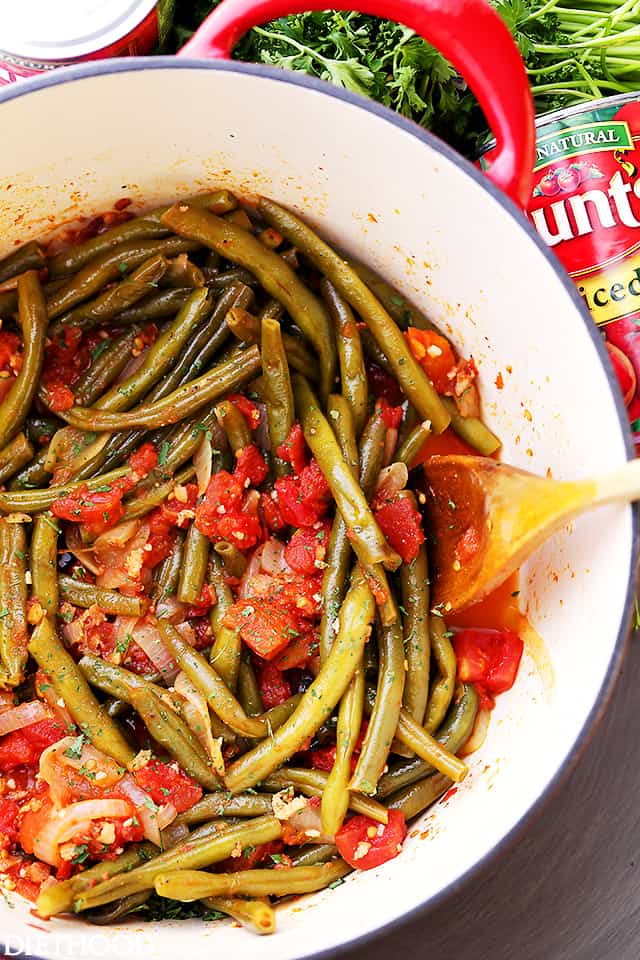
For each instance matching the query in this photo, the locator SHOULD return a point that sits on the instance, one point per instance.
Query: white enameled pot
(395, 197)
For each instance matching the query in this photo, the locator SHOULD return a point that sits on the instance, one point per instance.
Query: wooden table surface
(569, 889)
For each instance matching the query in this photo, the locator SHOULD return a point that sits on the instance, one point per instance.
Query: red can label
(586, 207)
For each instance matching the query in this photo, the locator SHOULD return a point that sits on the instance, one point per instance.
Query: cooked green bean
(235, 562)
(87, 594)
(224, 597)
(248, 689)
(107, 367)
(234, 425)
(386, 711)
(33, 501)
(195, 557)
(13, 603)
(188, 885)
(225, 655)
(313, 783)
(277, 278)
(69, 683)
(414, 382)
(167, 729)
(155, 306)
(112, 301)
(472, 430)
(142, 500)
(168, 572)
(414, 583)
(181, 272)
(190, 854)
(14, 456)
(44, 563)
(394, 303)
(336, 796)
(312, 854)
(27, 257)
(429, 749)
(246, 326)
(226, 278)
(353, 375)
(117, 681)
(112, 912)
(277, 379)
(223, 805)
(177, 405)
(363, 531)
(442, 690)
(453, 734)
(343, 425)
(412, 445)
(176, 448)
(414, 799)
(33, 323)
(324, 693)
(255, 915)
(33, 474)
(109, 266)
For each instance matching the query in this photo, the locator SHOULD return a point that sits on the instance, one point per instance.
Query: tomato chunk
(307, 549)
(168, 783)
(251, 468)
(274, 687)
(178, 512)
(391, 415)
(23, 747)
(303, 499)
(434, 354)
(364, 844)
(401, 524)
(8, 823)
(298, 651)
(222, 514)
(249, 410)
(489, 658)
(293, 449)
(265, 625)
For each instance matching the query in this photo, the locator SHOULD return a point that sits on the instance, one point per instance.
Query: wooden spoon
(485, 518)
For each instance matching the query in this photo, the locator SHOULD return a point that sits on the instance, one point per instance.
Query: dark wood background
(569, 889)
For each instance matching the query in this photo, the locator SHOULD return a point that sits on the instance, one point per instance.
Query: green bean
(222, 805)
(335, 797)
(275, 371)
(179, 445)
(167, 574)
(195, 557)
(394, 303)
(386, 710)
(224, 597)
(189, 854)
(27, 257)
(183, 402)
(344, 426)
(32, 475)
(255, 915)
(144, 500)
(156, 306)
(248, 690)
(145, 227)
(412, 445)
(87, 594)
(353, 375)
(14, 456)
(363, 531)
(414, 799)
(91, 278)
(226, 278)
(410, 376)
(58, 898)
(321, 697)
(106, 368)
(472, 430)
(181, 272)
(235, 562)
(8, 303)
(429, 749)
(118, 682)
(44, 563)
(234, 425)
(273, 310)
(442, 690)
(312, 854)
(246, 326)
(414, 581)
(33, 322)
(313, 783)
(116, 298)
(13, 604)
(453, 734)
(277, 278)
(69, 683)
(188, 885)
(33, 501)
(167, 729)
(116, 911)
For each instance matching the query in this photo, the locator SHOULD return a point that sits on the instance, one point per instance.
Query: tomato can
(39, 35)
(585, 205)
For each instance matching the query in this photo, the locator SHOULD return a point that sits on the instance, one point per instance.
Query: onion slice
(63, 824)
(202, 461)
(146, 810)
(478, 734)
(15, 718)
(196, 714)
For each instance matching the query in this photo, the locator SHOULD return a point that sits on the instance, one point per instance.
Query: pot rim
(135, 64)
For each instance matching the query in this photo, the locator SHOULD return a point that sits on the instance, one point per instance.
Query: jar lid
(67, 29)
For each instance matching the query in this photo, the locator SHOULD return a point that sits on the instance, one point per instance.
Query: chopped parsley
(74, 751)
(81, 853)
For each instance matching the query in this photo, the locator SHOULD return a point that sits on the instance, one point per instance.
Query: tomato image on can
(585, 205)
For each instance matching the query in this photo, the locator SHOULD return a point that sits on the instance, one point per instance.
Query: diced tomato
(293, 449)
(308, 548)
(161, 539)
(220, 514)
(66, 358)
(251, 856)
(59, 396)
(489, 658)
(323, 758)
(271, 513)
(392, 416)
(206, 600)
(383, 385)
(265, 625)
(142, 462)
(251, 468)
(98, 510)
(401, 524)
(8, 823)
(303, 499)
(274, 687)
(249, 410)
(174, 510)
(10, 355)
(298, 651)
(24, 747)
(434, 354)
(168, 783)
(364, 844)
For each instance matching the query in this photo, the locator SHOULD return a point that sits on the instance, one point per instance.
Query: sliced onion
(77, 548)
(257, 586)
(54, 761)
(478, 734)
(187, 633)
(250, 503)
(45, 690)
(308, 821)
(203, 462)
(196, 714)
(273, 560)
(146, 810)
(392, 480)
(73, 632)
(166, 815)
(253, 568)
(133, 366)
(171, 609)
(147, 636)
(68, 451)
(118, 536)
(23, 715)
(114, 559)
(63, 824)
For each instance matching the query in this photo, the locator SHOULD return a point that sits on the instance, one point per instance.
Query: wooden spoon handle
(622, 485)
